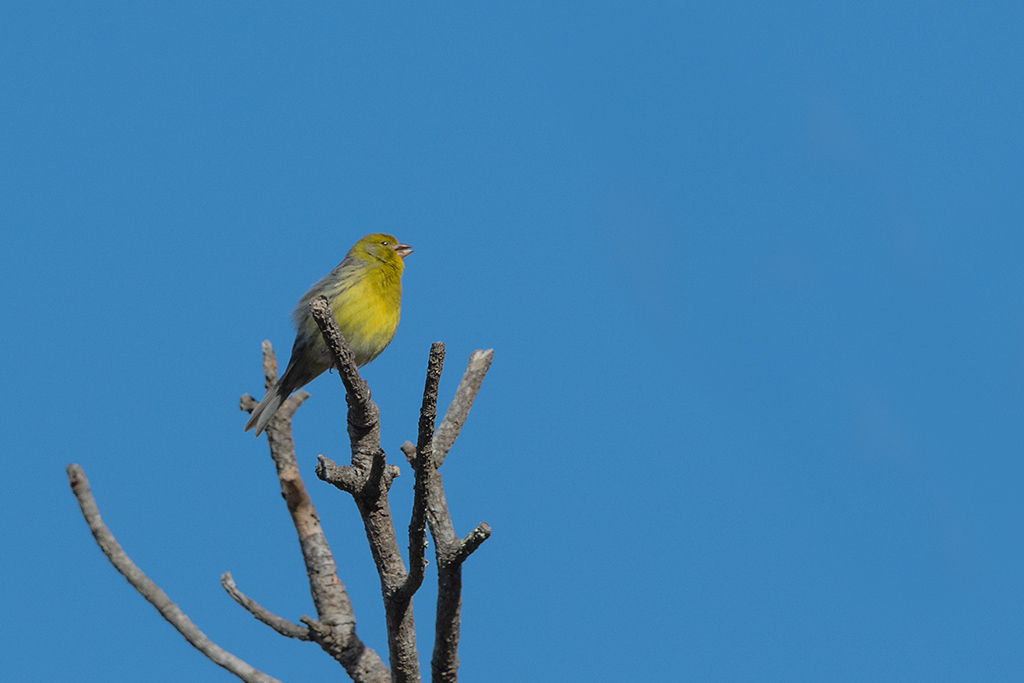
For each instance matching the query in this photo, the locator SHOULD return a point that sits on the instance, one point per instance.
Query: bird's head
(381, 247)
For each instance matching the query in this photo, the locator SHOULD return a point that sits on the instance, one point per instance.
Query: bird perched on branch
(365, 295)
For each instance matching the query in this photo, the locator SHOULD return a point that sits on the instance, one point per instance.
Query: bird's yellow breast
(367, 312)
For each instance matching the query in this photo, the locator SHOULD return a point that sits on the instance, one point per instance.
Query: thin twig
(279, 624)
(458, 409)
(150, 591)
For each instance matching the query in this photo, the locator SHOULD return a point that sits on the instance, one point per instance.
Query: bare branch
(428, 409)
(472, 541)
(368, 480)
(345, 477)
(444, 663)
(336, 631)
(417, 523)
(149, 590)
(269, 365)
(458, 409)
(450, 551)
(279, 624)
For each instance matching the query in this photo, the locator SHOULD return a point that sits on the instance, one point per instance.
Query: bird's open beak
(403, 250)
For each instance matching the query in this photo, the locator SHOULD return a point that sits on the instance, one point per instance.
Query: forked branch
(368, 479)
(449, 549)
(335, 627)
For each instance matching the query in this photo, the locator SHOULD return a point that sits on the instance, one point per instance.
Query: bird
(365, 295)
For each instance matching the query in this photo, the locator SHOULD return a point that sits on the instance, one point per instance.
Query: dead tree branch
(279, 624)
(450, 550)
(149, 590)
(418, 521)
(458, 409)
(368, 480)
(335, 628)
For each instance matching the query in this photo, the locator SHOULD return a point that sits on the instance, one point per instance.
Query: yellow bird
(365, 294)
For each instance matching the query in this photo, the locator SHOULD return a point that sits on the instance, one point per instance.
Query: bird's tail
(267, 408)
(298, 374)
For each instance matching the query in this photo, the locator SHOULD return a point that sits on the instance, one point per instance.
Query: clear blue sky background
(752, 274)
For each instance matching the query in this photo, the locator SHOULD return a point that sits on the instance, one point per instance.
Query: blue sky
(752, 274)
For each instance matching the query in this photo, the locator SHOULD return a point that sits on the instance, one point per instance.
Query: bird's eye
(385, 243)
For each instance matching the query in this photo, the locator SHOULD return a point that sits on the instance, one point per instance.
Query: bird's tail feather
(267, 408)
(296, 375)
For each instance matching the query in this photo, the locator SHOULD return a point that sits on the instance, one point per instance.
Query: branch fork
(368, 480)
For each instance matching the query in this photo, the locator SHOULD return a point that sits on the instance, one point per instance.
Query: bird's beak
(403, 250)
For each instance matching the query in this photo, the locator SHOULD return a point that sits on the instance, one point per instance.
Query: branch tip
(473, 540)
(458, 409)
(279, 624)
